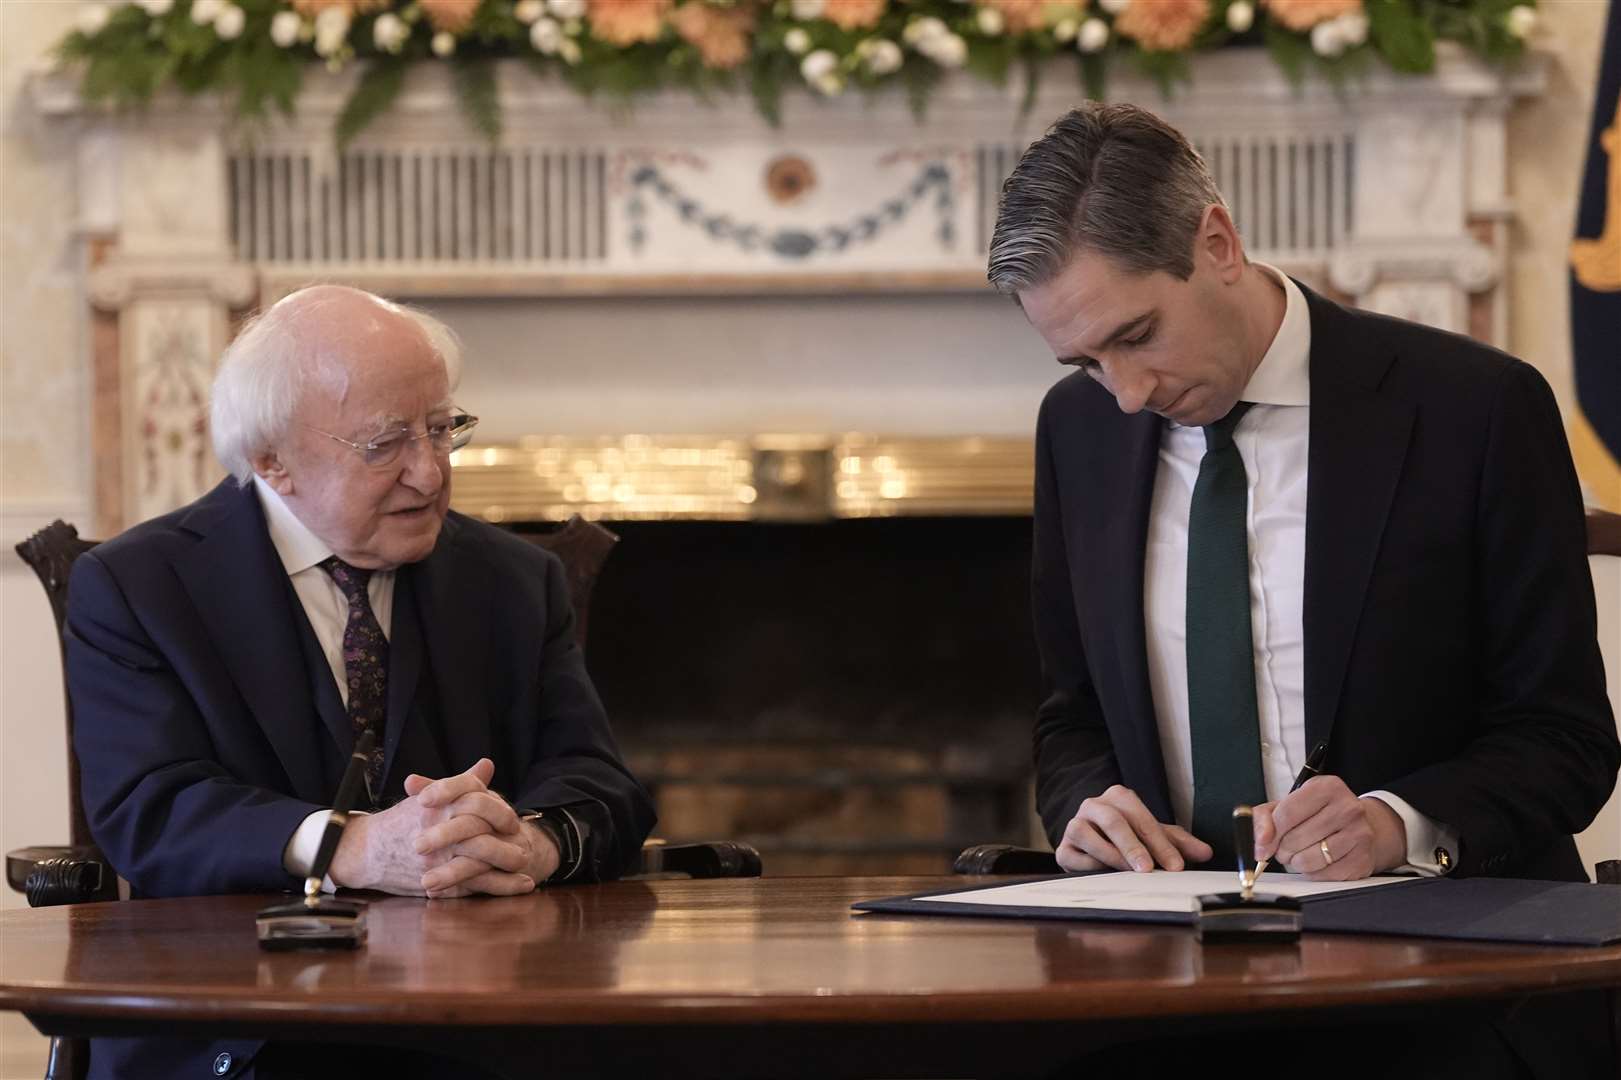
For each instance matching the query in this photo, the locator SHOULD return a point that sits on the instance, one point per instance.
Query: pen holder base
(325, 923)
(1230, 918)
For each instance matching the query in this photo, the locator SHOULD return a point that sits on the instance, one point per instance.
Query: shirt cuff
(1432, 848)
(300, 851)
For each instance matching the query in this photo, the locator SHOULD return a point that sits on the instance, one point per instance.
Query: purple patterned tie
(365, 662)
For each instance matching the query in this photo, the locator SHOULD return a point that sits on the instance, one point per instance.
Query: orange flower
(1163, 25)
(449, 16)
(625, 22)
(1305, 14)
(853, 14)
(720, 34)
(312, 8)
(1019, 16)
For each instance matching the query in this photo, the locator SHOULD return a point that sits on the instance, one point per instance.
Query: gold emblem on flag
(1597, 262)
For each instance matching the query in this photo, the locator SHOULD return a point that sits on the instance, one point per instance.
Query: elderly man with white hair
(224, 659)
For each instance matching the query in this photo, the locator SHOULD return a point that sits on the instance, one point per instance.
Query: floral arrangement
(257, 50)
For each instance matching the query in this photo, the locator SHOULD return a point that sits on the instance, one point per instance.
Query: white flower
(285, 28)
(91, 19)
(228, 23)
(807, 9)
(567, 9)
(830, 85)
(1327, 38)
(331, 30)
(797, 41)
(546, 36)
(949, 51)
(1114, 7)
(924, 29)
(1064, 30)
(1094, 34)
(204, 12)
(818, 65)
(1240, 16)
(990, 21)
(156, 8)
(527, 11)
(1521, 21)
(569, 50)
(443, 43)
(1353, 28)
(882, 56)
(390, 32)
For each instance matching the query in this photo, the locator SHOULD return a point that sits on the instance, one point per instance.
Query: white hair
(262, 372)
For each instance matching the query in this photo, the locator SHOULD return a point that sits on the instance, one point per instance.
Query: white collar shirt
(1273, 439)
(301, 553)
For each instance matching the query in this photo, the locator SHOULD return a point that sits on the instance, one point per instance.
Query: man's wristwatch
(564, 829)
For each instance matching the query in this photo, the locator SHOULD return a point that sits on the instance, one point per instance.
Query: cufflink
(1443, 859)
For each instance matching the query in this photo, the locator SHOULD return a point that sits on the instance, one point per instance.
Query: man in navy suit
(1265, 523)
(223, 659)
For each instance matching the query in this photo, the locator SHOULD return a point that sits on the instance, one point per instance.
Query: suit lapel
(240, 591)
(1125, 471)
(1359, 440)
(454, 592)
(404, 666)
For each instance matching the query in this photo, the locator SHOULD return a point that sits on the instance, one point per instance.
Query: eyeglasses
(451, 433)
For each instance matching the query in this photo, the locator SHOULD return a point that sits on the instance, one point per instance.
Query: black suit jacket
(208, 726)
(1450, 642)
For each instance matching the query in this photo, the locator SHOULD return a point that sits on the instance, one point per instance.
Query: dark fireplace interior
(853, 696)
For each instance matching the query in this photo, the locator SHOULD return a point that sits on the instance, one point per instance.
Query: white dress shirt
(301, 553)
(1273, 439)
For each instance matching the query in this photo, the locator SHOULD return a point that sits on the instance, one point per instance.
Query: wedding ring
(1322, 845)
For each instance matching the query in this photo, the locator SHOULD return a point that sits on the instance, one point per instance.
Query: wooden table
(695, 977)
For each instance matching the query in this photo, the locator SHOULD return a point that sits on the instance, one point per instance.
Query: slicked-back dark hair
(1112, 179)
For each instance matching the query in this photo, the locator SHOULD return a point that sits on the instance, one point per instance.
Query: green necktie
(1223, 719)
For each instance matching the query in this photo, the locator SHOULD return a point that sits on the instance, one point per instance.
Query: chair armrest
(1608, 872)
(711, 859)
(60, 875)
(1005, 859)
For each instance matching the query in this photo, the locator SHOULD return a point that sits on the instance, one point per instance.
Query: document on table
(1158, 890)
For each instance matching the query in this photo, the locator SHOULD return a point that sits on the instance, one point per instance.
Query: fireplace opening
(850, 696)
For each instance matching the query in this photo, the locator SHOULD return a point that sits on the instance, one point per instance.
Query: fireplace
(848, 696)
(818, 645)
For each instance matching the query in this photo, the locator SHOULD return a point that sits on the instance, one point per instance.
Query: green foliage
(372, 96)
(1290, 51)
(1094, 74)
(1165, 68)
(133, 56)
(1403, 38)
(475, 89)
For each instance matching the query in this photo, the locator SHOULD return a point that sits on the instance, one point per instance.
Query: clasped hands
(450, 837)
(1363, 836)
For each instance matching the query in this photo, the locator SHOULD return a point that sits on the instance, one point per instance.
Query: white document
(1158, 890)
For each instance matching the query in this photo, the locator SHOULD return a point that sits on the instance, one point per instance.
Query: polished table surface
(742, 953)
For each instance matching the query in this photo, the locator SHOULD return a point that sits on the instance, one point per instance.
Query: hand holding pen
(1325, 832)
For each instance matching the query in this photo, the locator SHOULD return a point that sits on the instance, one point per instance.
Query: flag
(1595, 286)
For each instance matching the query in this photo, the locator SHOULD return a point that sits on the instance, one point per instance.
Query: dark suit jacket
(1450, 643)
(208, 724)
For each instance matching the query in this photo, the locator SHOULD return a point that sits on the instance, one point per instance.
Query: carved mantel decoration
(1389, 192)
